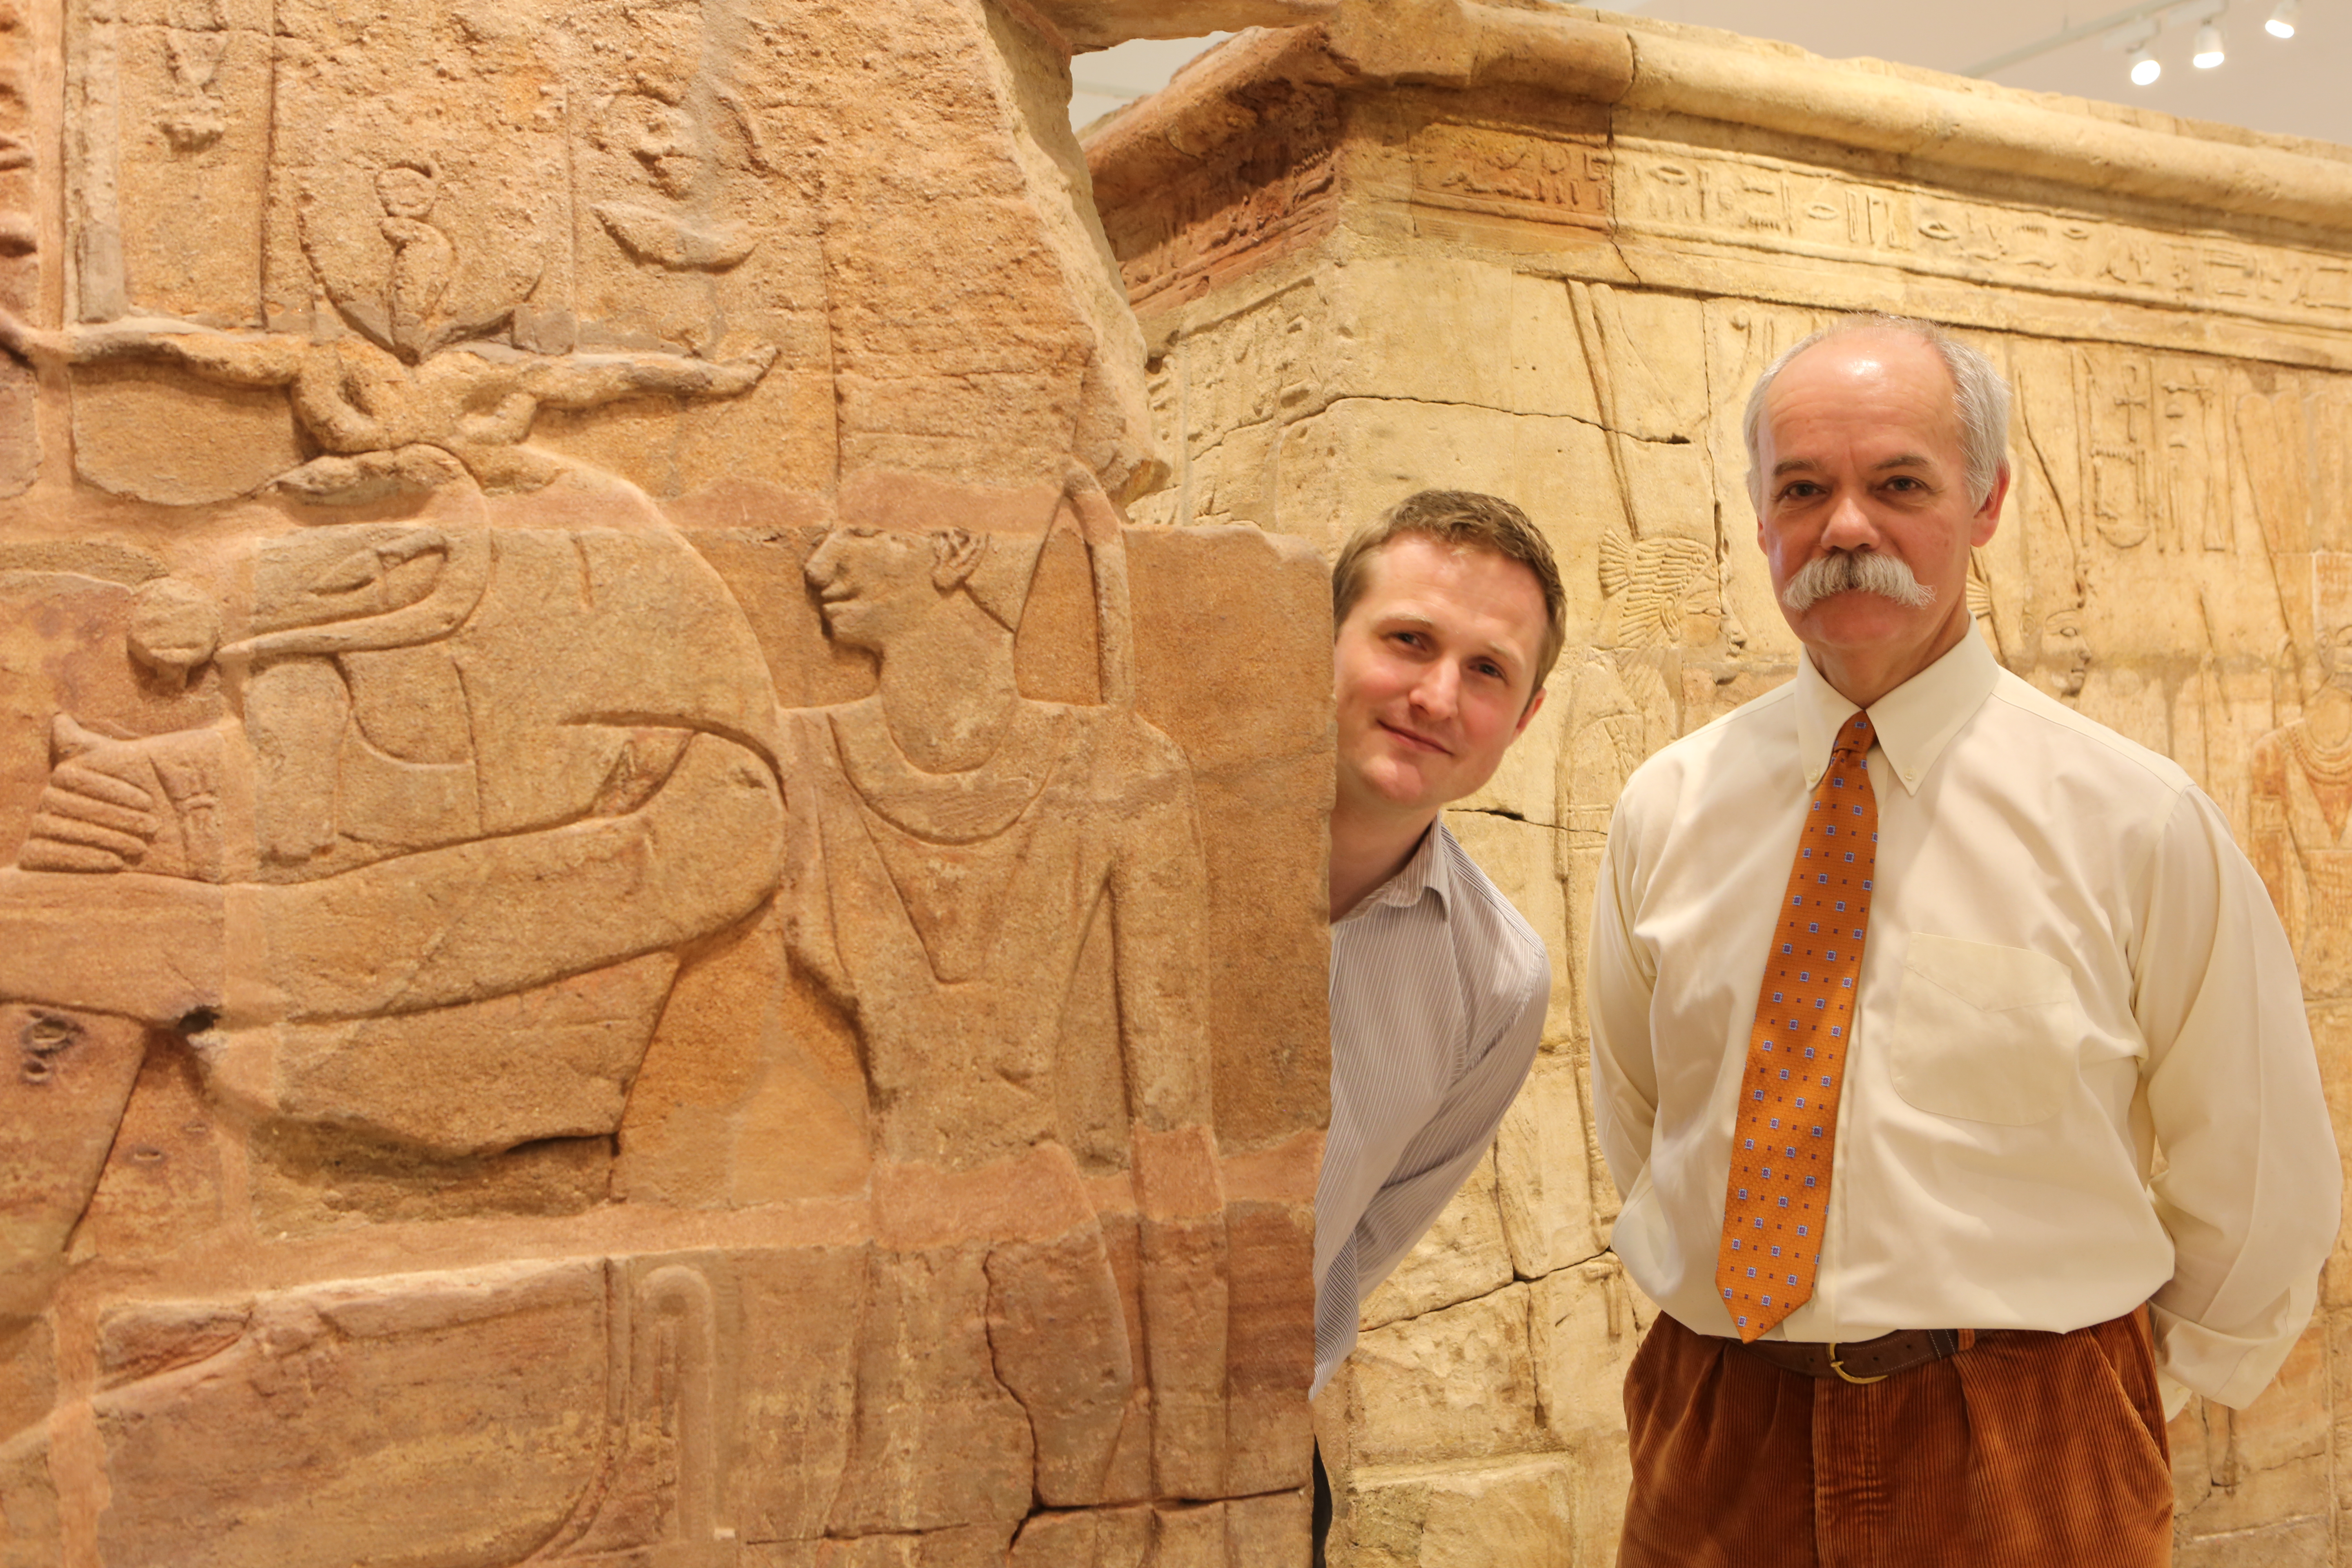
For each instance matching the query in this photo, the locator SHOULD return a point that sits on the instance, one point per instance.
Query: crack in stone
(1517, 1278)
(1602, 426)
(1508, 814)
(1579, 1263)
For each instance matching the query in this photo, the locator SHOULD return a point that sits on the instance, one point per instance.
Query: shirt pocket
(1984, 1033)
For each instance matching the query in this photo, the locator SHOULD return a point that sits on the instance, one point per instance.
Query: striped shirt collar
(1912, 722)
(1428, 870)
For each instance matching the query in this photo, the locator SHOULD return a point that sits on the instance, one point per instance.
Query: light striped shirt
(1438, 990)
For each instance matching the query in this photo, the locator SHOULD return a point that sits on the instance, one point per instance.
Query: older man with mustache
(1902, 975)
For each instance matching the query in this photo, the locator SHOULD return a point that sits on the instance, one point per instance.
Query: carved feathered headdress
(1652, 575)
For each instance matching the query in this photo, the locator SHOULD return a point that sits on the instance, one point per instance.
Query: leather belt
(1863, 1361)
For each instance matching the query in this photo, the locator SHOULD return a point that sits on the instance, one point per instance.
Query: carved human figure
(957, 851)
(665, 145)
(1663, 596)
(387, 427)
(2063, 654)
(2301, 801)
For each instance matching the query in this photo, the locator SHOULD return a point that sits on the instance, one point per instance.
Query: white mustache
(1843, 571)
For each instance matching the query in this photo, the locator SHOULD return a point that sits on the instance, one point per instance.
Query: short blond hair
(1467, 520)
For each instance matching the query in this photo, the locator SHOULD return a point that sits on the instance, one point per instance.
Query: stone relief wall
(637, 926)
(1545, 252)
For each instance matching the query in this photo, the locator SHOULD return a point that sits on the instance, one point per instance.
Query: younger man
(1448, 613)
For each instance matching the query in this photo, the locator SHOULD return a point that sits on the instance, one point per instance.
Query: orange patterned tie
(1779, 1194)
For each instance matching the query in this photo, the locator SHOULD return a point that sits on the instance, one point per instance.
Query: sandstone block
(801, 1320)
(1586, 1321)
(2299, 1543)
(161, 1188)
(2272, 1461)
(1543, 1166)
(966, 1546)
(1419, 444)
(938, 1442)
(1090, 25)
(1270, 1529)
(270, 1434)
(1461, 1258)
(28, 1503)
(1270, 1252)
(1095, 1538)
(73, 1077)
(1456, 1383)
(1437, 353)
(1191, 1537)
(1519, 1514)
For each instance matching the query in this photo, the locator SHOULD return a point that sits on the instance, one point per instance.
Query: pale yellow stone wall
(1544, 253)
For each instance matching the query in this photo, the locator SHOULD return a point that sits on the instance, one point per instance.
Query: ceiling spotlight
(2283, 19)
(2144, 68)
(2209, 49)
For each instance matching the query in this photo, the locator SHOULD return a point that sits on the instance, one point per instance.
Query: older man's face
(1861, 454)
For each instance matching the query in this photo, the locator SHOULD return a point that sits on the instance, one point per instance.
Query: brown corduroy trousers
(2030, 1450)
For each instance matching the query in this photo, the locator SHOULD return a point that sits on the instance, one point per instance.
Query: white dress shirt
(2081, 1075)
(1438, 988)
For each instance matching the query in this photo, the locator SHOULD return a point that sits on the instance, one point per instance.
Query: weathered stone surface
(1544, 1166)
(20, 260)
(1270, 1529)
(637, 925)
(1467, 1373)
(1584, 1323)
(1460, 1258)
(1270, 1254)
(1093, 1538)
(1544, 253)
(2245, 1473)
(271, 1432)
(1517, 1515)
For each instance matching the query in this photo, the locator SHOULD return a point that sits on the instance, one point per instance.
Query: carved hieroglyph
(634, 925)
(1523, 250)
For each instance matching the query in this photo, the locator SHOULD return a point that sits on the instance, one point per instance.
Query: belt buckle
(1849, 1377)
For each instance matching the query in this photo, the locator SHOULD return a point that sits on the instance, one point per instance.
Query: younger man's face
(1433, 673)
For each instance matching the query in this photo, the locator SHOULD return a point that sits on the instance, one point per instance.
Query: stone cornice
(1933, 119)
(1099, 24)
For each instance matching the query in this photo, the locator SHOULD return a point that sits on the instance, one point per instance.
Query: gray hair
(1980, 396)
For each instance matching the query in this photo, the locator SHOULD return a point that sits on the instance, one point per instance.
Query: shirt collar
(1912, 722)
(1428, 870)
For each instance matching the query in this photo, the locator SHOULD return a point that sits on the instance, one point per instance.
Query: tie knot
(1854, 737)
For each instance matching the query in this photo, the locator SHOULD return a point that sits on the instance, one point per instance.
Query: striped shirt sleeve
(1438, 995)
